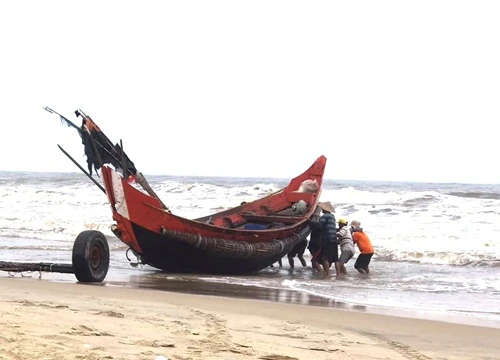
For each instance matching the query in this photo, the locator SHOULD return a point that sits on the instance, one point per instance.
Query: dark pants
(330, 252)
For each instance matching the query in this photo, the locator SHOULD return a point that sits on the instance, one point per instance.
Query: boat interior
(286, 207)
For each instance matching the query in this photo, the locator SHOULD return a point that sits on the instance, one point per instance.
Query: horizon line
(265, 177)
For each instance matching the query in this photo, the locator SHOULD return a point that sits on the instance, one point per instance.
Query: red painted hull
(218, 243)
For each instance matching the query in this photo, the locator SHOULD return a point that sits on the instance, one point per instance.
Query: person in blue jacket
(329, 242)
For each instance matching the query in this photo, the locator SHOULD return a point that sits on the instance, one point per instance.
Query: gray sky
(387, 90)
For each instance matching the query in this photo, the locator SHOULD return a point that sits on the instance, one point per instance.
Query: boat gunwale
(236, 230)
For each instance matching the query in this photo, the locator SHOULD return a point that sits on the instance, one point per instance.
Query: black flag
(93, 140)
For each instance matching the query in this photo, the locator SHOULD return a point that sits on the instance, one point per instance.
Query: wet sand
(193, 285)
(41, 319)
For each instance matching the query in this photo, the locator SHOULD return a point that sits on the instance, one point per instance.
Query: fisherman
(329, 245)
(346, 244)
(298, 250)
(315, 243)
(360, 238)
(280, 263)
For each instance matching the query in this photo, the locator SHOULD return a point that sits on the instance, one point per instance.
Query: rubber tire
(90, 256)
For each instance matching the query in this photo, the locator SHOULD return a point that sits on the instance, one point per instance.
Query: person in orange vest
(364, 245)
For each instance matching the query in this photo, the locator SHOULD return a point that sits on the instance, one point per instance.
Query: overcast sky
(386, 90)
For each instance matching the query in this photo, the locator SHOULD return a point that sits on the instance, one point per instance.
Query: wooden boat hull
(172, 255)
(176, 244)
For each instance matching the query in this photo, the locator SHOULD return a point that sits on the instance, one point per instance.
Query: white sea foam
(48, 212)
(404, 223)
(424, 226)
(452, 292)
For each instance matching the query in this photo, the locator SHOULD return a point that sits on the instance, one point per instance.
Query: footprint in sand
(403, 349)
(84, 330)
(111, 314)
(277, 357)
(41, 304)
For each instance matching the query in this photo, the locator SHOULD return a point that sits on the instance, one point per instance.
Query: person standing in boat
(346, 244)
(329, 245)
(364, 245)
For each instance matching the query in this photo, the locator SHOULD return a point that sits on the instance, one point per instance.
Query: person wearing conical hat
(329, 244)
(326, 207)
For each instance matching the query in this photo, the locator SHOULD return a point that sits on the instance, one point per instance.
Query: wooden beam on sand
(45, 267)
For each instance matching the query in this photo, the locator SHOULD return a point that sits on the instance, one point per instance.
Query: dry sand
(49, 320)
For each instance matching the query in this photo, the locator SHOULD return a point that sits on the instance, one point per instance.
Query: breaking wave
(476, 195)
(420, 200)
(414, 222)
(440, 258)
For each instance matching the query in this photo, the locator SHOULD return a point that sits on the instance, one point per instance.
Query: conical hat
(326, 206)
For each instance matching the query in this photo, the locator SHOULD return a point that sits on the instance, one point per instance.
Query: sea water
(437, 246)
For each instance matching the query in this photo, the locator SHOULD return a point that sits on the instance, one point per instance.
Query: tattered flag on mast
(100, 150)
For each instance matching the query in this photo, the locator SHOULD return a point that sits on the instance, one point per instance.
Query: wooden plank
(272, 218)
(48, 267)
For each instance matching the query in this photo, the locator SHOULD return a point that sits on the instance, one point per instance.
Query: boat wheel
(90, 256)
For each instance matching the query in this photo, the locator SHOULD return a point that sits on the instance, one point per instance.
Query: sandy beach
(51, 320)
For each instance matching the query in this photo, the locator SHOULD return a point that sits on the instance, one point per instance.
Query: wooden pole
(82, 169)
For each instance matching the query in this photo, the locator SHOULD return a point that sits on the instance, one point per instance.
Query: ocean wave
(476, 195)
(209, 196)
(486, 263)
(474, 312)
(48, 231)
(440, 258)
(408, 296)
(21, 243)
(399, 217)
(420, 200)
(388, 211)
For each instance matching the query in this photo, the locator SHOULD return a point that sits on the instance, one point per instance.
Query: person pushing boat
(360, 238)
(346, 244)
(329, 244)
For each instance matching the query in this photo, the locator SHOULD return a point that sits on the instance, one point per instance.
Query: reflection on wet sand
(190, 285)
(202, 285)
(194, 284)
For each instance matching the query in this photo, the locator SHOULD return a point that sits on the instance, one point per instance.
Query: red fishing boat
(242, 239)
